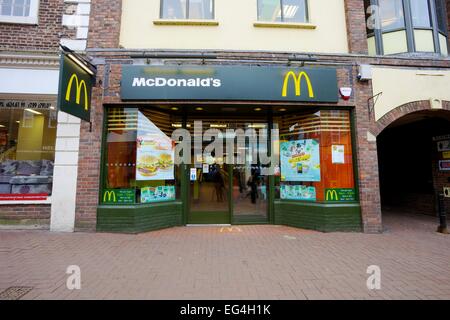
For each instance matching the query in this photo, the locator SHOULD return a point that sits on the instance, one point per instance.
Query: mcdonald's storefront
(223, 144)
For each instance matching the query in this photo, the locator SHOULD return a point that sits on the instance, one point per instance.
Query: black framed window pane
(392, 14)
(295, 11)
(420, 12)
(201, 9)
(269, 10)
(441, 14)
(174, 9)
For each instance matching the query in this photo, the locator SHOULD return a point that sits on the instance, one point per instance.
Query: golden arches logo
(332, 195)
(298, 83)
(109, 195)
(79, 85)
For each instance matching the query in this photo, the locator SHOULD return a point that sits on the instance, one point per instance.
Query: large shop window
(139, 158)
(316, 157)
(27, 151)
(187, 9)
(295, 11)
(407, 26)
(19, 11)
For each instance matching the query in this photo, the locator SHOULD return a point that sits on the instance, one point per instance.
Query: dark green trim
(250, 219)
(213, 217)
(139, 218)
(103, 151)
(319, 216)
(354, 151)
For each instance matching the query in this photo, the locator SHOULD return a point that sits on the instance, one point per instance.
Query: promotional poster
(155, 152)
(157, 194)
(300, 160)
(298, 192)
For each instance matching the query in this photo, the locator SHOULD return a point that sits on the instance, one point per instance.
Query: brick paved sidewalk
(249, 262)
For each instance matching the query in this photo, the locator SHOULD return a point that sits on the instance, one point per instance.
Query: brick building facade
(29, 64)
(105, 50)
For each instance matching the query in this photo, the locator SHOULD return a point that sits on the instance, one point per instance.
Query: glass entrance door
(209, 194)
(249, 194)
(228, 188)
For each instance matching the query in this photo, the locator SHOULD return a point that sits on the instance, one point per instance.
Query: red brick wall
(25, 214)
(104, 32)
(42, 37)
(356, 26)
(104, 24)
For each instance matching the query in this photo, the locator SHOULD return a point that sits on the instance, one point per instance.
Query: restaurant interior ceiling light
(174, 108)
(199, 109)
(33, 111)
(257, 126)
(282, 110)
(218, 125)
(257, 109)
(2, 126)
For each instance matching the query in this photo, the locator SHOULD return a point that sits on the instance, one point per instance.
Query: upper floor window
(391, 14)
(19, 11)
(187, 9)
(295, 11)
(403, 26)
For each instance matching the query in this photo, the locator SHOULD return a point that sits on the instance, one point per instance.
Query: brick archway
(403, 110)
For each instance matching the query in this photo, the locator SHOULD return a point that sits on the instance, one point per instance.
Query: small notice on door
(193, 174)
(205, 168)
(338, 154)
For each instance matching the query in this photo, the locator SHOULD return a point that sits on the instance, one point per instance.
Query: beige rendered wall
(235, 30)
(400, 86)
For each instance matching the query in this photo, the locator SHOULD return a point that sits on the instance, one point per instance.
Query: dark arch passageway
(408, 163)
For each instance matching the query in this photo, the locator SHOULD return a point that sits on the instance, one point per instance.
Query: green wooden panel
(319, 216)
(139, 218)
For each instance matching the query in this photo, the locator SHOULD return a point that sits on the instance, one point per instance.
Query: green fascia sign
(75, 89)
(340, 194)
(238, 83)
(119, 196)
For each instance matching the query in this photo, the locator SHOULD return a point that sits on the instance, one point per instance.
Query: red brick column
(104, 32)
(356, 26)
(369, 190)
(104, 24)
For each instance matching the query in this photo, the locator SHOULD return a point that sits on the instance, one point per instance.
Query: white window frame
(33, 18)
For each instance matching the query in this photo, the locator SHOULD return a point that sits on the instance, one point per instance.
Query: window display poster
(157, 194)
(298, 192)
(155, 152)
(337, 154)
(300, 160)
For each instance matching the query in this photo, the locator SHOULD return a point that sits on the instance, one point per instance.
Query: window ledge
(25, 202)
(19, 20)
(288, 25)
(180, 22)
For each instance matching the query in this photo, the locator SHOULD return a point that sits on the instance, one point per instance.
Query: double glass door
(229, 192)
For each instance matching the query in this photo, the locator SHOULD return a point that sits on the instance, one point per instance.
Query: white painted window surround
(31, 18)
